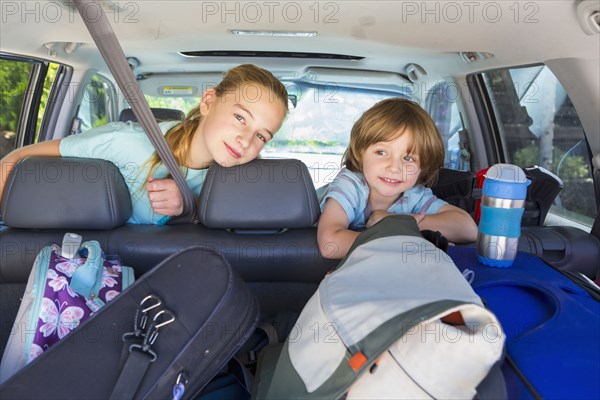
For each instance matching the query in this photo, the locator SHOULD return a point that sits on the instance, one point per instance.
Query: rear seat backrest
(270, 206)
(44, 198)
(89, 197)
(266, 211)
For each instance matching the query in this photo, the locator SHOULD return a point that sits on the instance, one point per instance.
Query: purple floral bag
(67, 291)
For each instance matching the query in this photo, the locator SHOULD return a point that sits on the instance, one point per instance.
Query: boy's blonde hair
(390, 119)
(179, 137)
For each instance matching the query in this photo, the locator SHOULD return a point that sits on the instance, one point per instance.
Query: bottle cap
(506, 173)
(505, 181)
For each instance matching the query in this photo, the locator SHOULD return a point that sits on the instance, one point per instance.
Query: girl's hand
(377, 216)
(165, 197)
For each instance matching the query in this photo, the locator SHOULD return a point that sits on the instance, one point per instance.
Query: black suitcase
(213, 314)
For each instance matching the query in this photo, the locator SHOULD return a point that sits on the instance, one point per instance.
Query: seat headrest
(65, 193)
(160, 114)
(262, 194)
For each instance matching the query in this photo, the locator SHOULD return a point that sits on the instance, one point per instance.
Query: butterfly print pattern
(62, 309)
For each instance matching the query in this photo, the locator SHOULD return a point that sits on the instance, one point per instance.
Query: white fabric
(387, 277)
(434, 360)
(506, 173)
(314, 332)
(380, 280)
(384, 382)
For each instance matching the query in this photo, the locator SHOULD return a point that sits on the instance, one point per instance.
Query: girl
(394, 155)
(230, 126)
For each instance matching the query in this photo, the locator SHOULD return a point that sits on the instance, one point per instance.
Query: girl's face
(235, 127)
(390, 170)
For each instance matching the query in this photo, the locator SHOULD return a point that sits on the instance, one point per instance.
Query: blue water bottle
(502, 205)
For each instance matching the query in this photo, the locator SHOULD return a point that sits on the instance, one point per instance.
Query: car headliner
(389, 35)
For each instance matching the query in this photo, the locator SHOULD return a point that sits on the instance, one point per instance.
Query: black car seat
(266, 213)
(261, 216)
(44, 198)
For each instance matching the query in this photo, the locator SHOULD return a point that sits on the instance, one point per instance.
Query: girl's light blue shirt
(350, 189)
(126, 145)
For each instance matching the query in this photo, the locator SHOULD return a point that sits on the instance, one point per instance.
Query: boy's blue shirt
(350, 189)
(127, 146)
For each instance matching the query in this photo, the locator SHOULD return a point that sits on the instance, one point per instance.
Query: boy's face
(390, 170)
(235, 127)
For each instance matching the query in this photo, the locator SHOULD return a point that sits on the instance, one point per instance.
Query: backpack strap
(140, 356)
(87, 279)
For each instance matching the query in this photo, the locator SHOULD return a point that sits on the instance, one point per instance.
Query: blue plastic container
(502, 206)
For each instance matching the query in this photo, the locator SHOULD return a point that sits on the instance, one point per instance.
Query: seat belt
(464, 162)
(97, 24)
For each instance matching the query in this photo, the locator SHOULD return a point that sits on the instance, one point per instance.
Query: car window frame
(28, 114)
(56, 97)
(492, 136)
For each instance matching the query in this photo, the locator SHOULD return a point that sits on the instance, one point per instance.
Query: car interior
(505, 82)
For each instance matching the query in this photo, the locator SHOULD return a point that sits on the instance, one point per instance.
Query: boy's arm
(378, 215)
(333, 235)
(7, 164)
(452, 222)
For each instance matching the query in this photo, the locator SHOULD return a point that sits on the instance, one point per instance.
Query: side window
(443, 108)
(25, 86)
(96, 105)
(14, 78)
(538, 125)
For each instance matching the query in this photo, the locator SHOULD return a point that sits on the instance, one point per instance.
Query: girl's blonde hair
(390, 119)
(179, 137)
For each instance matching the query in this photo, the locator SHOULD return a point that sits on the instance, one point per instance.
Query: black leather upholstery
(290, 256)
(160, 114)
(265, 195)
(262, 194)
(283, 267)
(65, 193)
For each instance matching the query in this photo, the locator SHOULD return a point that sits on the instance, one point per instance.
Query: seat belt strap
(464, 163)
(97, 24)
